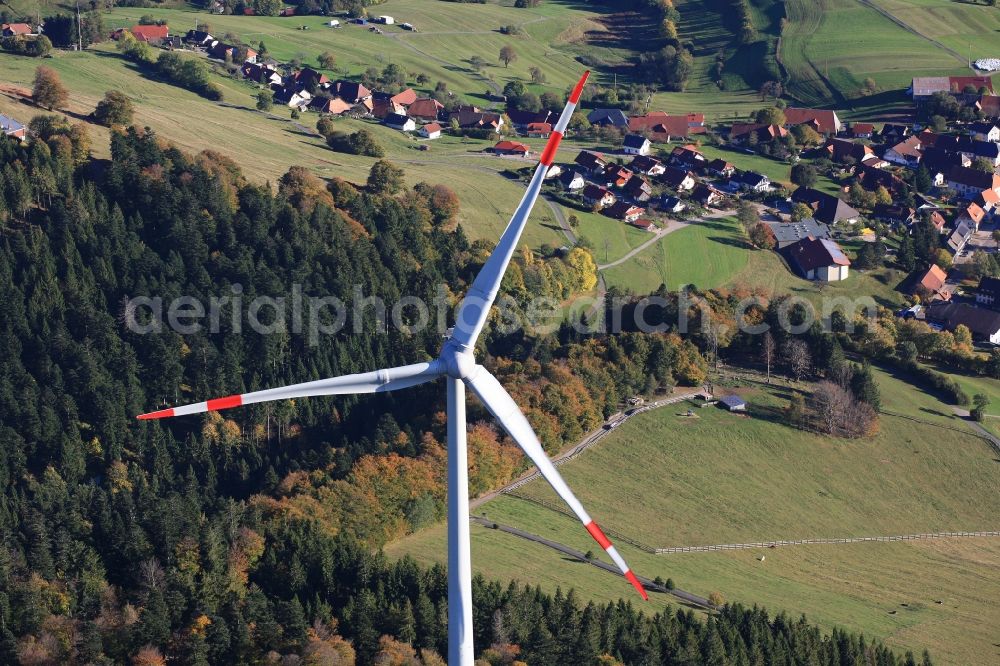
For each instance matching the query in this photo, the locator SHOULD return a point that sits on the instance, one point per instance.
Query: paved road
(671, 226)
(610, 568)
(588, 440)
(560, 216)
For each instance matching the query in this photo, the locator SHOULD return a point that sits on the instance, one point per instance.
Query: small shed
(734, 403)
(333, 23)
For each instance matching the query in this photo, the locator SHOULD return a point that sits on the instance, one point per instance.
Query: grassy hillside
(722, 478)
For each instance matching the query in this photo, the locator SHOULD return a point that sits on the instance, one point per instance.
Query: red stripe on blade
(578, 90)
(636, 584)
(224, 403)
(162, 414)
(598, 535)
(549, 154)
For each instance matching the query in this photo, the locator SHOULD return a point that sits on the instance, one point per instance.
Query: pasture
(723, 478)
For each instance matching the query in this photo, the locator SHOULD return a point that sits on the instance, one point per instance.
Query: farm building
(984, 324)
(818, 259)
(733, 403)
(425, 109)
(16, 29)
(793, 232)
(510, 148)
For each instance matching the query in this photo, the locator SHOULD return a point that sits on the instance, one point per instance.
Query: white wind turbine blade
(506, 411)
(476, 305)
(368, 382)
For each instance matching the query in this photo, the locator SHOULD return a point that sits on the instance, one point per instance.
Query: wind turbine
(458, 366)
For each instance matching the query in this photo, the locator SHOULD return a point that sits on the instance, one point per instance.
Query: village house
(539, 130)
(522, 119)
(333, 106)
(823, 121)
(960, 236)
(510, 148)
(661, 127)
(924, 87)
(988, 293)
(907, 152)
(706, 195)
(818, 259)
(753, 182)
(840, 150)
(649, 166)
(894, 132)
(350, 91)
(720, 167)
(931, 284)
(258, 73)
(826, 207)
(468, 119)
(595, 195)
(613, 117)
(671, 204)
(622, 210)
(872, 178)
(938, 162)
(592, 162)
(151, 34)
(970, 147)
(384, 107)
(679, 179)
(789, 233)
(362, 109)
(972, 214)
(309, 79)
(430, 131)
(984, 324)
(638, 188)
(742, 133)
(16, 29)
(636, 144)
(12, 128)
(645, 225)
(860, 130)
(293, 99)
(988, 200)
(985, 131)
(969, 182)
(398, 121)
(615, 175)
(199, 38)
(894, 214)
(572, 180)
(687, 156)
(425, 109)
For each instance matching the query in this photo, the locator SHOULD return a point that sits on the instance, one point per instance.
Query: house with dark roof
(688, 156)
(309, 78)
(818, 259)
(522, 119)
(826, 207)
(751, 181)
(622, 210)
(988, 293)
(872, 178)
(259, 73)
(13, 128)
(382, 108)
(638, 188)
(969, 182)
(613, 117)
(198, 38)
(477, 119)
(706, 195)
(398, 121)
(592, 162)
(840, 150)
(789, 233)
(984, 324)
(647, 165)
(970, 147)
(572, 180)
(741, 133)
(333, 106)
(636, 144)
(720, 167)
(679, 179)
(894, 214)
(595, 195)
(671, 204)
(984, 130)
(350, 91)
(893, 132)
(425, 109)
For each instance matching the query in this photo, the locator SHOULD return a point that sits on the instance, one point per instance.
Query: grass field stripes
(992, 441)
(802, 542)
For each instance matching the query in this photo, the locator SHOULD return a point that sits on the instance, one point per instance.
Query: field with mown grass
(664, 479)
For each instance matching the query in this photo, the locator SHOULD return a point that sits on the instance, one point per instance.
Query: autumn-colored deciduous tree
(48, 90)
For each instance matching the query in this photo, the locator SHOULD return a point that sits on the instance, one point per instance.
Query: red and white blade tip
(578, 90)
(604, 542)
(213, 405)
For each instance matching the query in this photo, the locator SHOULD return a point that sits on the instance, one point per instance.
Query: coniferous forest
(252, 536)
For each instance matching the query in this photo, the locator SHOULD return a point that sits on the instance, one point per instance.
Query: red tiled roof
(511, 147)
(146, 33)
(17, 28)
(539, 127)
(432, 127)
(407, 97)
(825, 119)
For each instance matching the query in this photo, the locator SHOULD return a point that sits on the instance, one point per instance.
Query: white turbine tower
(458, 366)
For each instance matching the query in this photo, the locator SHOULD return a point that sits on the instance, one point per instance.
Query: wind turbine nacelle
(459, 363)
